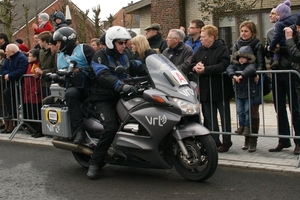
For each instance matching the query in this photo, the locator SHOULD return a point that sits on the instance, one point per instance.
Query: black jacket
(105, 83)
(180, 56)
(157, 42)
(215, 59)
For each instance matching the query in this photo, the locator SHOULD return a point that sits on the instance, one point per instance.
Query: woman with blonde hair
(141, 48)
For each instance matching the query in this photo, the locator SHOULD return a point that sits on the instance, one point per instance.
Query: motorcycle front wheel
(202, 161)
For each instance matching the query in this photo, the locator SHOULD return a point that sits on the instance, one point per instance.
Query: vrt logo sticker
(160, 120)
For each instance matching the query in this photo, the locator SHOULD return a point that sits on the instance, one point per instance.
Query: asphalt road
(41, 172)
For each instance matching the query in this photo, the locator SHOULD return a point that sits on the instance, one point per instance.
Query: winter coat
(157, 42)
(257, 48)
(215, 59)
(180, 56)
(15, 66)
(248, 73)
(47, 63)
(46, 27)
(193, 44)
(279, 37)
(106, 84)
(31, 87)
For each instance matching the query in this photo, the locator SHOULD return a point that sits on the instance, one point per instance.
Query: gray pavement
(284, 161)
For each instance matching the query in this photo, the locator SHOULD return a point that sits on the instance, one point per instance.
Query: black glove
(128, 89)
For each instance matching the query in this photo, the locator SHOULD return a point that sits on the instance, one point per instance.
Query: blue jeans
(243, 106)
(280, 92)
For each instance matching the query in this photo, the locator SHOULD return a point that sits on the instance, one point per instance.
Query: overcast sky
(107, 6)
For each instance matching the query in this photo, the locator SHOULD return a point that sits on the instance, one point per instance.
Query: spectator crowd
(199, 54)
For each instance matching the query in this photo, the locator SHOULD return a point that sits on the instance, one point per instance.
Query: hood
(246, 52)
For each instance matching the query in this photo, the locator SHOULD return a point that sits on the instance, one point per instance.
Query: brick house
(175, 13)
(47, 6)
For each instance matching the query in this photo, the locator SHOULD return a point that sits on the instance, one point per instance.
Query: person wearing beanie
(102, 41)
(284, 19)
(292, 35)
(244, 60)
(22, 47)
(44, 24)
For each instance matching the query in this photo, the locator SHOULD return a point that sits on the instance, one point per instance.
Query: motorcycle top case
(56, 121)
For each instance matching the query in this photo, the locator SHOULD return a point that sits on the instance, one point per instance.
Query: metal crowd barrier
(22, 120)
(25, 113)
(263, 124)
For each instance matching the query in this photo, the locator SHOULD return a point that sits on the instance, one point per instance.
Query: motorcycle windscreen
(167, 78)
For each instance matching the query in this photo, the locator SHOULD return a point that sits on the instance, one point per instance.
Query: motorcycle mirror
(119, 70)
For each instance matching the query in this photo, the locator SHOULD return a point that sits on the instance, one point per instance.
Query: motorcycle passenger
(78, 84)
(106, 88)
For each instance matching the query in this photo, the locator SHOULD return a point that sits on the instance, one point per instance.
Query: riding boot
(246, 143)
(80, 136)
(253, 139)
(93, 171)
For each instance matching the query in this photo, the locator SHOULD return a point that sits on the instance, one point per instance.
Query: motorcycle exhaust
(69, 145)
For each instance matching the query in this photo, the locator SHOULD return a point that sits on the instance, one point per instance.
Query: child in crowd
(284, 19)
(244, 60)
(32, 93)
(59, 19)
(44, 24)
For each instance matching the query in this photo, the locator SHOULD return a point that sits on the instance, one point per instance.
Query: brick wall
(166, 13)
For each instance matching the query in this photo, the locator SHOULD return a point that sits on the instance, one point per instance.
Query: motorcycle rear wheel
(83, 159)
(203, 159)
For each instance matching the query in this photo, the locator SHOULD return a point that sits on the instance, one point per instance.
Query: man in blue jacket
(14, 66)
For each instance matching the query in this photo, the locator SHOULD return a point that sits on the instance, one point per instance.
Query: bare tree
(220, 9)
(110, 20)
(7, 16)
(26, 9)
(96, 18)
(82, 28)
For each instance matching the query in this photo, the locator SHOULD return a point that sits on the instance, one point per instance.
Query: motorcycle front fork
(183, 149)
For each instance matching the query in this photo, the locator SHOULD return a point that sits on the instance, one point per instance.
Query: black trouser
(210, 112)
(280, 91)
(108, 117)
(33, 111)
(74, 99)
(9, 98)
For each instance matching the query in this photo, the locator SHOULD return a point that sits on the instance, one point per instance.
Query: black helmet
(67, 36)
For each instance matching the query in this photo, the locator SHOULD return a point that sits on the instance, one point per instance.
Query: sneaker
(246, 131)
(240, 130)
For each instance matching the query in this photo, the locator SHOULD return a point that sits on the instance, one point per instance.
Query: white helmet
(114, 33)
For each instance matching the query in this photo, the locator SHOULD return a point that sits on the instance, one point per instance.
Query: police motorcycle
(157, 128)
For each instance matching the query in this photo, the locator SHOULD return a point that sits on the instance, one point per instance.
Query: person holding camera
(106, 88)
(77, 84)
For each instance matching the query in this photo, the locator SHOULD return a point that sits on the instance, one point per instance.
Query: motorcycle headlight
(187, 108)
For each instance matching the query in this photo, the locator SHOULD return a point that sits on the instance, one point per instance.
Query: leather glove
(129, 89)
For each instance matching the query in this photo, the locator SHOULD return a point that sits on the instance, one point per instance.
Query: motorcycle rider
(77, 85)
(106, 88)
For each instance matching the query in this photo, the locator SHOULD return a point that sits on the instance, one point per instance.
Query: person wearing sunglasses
(106, 86)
